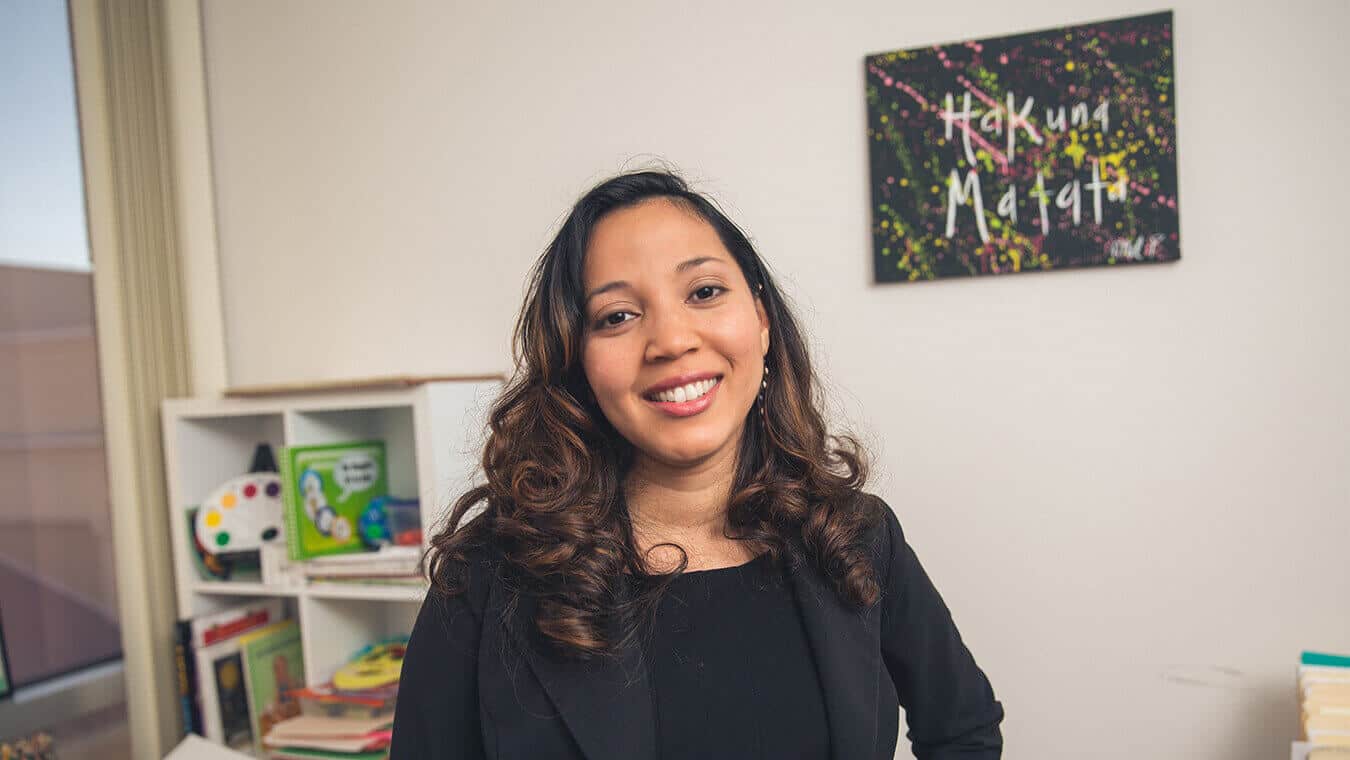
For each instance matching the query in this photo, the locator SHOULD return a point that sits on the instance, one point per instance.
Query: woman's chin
(690, 447)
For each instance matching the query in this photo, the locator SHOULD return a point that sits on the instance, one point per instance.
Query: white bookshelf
(433, 435)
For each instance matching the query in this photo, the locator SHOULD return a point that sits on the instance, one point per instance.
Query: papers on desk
(194, 747)
(1324, 705)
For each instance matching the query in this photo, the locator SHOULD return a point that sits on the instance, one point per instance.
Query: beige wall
(1130, 485)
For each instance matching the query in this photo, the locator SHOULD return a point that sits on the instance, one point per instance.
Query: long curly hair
(553, 504)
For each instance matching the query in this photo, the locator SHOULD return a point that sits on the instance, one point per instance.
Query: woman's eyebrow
(680, 267)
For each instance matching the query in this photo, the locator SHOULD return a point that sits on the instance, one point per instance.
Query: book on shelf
(326, 489)
(1324, 702)
(273, 668)
(220, 667)
(200, 643)
(186, 666)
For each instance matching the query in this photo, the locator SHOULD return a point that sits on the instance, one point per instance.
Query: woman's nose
(670, 333)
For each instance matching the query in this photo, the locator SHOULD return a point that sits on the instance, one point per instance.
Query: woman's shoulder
(871, 524)
(883, 531)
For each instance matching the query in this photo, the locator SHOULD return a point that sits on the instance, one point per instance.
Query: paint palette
(242, 515)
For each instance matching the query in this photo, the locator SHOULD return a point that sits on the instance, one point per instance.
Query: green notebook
(327, 489)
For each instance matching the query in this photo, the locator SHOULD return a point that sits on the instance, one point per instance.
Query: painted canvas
(1047, 150)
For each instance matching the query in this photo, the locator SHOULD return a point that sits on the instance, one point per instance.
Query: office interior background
(1130, 483)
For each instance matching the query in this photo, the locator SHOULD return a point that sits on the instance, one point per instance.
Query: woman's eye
(615, 318)
(717, 288)
(609, 321)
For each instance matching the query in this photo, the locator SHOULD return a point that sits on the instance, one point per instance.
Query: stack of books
(1324, 701)
(392, 565)
(347, 718)
(309, 736)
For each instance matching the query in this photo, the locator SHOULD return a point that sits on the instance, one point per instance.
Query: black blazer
(476, 685)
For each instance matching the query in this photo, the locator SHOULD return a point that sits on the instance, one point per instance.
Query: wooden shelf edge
(237, 588)
(366, 592)
(359, 591)
(353, 384)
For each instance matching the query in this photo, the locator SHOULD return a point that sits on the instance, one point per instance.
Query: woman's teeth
(685, 392)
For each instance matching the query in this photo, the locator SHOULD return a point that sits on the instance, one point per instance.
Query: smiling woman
(675, 353)
(670, 537)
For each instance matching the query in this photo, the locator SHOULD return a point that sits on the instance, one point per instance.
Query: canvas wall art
(1047, 150)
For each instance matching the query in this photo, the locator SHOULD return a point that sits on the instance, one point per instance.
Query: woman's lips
(687, 408)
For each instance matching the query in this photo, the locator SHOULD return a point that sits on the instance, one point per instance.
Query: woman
(673, 558)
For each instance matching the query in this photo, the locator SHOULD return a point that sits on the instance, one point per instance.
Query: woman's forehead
(655, 238)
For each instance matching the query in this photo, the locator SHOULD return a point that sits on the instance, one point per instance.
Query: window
(58, 602)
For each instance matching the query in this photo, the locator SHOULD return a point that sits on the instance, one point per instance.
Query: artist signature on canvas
(1140, 248)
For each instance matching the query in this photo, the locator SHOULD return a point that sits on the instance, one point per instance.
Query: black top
(466, 692)
(732, 671)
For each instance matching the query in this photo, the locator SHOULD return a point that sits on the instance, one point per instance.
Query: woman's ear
(763, 326)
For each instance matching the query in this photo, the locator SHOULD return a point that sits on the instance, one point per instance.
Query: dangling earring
(763, 387)
(764, 384)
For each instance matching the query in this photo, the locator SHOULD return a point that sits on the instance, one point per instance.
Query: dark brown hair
(553, 502)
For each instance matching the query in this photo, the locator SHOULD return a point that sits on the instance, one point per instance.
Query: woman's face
(667, 304)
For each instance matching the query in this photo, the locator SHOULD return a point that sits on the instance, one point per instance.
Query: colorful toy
(243, 514)
(374, 666)
(390, 521)
(371, 527)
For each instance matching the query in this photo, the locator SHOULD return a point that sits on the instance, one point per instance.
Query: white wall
(1129, 484)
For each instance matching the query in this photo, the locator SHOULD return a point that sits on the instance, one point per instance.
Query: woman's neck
(686, 506)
